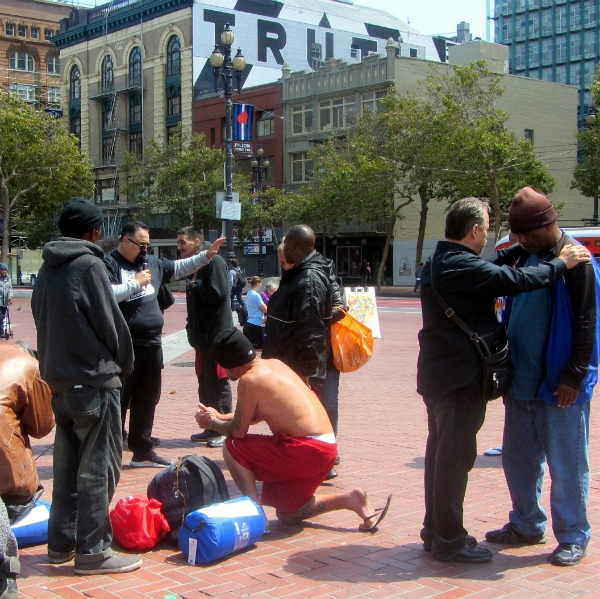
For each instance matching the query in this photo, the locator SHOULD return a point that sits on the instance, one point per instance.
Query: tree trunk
(495, 203)
(422, 223)
(384, 256)
(5, 223)
(276, 248)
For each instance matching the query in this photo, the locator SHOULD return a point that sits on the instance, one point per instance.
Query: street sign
(242, 148)
(221, 200)
(231, 210)
(251, 249)
(267, 236)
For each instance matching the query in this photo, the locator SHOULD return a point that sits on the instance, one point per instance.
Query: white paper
(192, 552)
(238, 509)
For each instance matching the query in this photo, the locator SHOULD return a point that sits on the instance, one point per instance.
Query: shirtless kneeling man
(296, 458)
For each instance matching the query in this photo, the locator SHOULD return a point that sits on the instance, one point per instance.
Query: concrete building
(552, 40)
(315, 103)
(29, 61)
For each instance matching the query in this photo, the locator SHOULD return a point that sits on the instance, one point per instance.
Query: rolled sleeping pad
(33, 528)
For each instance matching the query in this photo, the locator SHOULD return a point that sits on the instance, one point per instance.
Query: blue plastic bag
(217, 530)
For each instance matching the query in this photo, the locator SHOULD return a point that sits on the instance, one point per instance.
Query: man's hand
(213, 250)
(144, 277)
(572, 255)
(205, 415)
(566, 395)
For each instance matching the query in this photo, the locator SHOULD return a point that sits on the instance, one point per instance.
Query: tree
(484, 159)
(41, 167)
(181, 178)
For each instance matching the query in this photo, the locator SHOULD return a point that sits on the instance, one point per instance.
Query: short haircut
(273, 285)
(190, 233)
(234, 263)
(254, 280)
(132, 227)
(463, 216)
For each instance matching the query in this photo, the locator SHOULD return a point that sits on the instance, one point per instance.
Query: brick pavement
(382, 440)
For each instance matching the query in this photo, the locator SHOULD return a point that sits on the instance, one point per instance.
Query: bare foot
(359, 502)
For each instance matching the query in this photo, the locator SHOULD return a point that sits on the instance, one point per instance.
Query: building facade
(317, 103)
(29, 61)
(552, 40)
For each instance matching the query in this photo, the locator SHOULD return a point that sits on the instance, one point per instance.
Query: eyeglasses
(145, 247)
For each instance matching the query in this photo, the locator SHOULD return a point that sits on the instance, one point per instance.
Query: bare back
(278, 396)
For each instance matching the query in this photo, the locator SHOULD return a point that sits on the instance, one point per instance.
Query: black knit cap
(232, 348)
(79, 216)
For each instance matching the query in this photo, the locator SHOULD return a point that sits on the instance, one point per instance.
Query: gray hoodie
(82, 336)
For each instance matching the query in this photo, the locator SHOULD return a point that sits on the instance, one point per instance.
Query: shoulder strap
(479, 343)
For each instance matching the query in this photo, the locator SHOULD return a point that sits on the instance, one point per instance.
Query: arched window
(135, 67)
(108, 78)
(75, 83)
(21, 61)
(54, 65)
(174, 56)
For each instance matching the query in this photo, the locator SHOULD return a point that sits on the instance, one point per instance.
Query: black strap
(479, 343)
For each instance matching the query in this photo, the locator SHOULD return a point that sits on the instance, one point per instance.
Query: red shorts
(291, 469)
(199, 364)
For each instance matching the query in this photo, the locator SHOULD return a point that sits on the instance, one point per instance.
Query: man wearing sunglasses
(136, 275)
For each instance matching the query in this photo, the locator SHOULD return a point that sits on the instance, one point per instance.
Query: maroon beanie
(530, 210)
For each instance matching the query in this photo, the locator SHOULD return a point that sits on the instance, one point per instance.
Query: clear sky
(437, 16)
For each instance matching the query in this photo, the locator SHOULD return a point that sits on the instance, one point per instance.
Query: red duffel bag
(138, 522)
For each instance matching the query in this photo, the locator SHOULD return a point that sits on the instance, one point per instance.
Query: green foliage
(41, 168)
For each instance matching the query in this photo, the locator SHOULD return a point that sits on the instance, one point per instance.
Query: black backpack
(240, 280)
(189, 484)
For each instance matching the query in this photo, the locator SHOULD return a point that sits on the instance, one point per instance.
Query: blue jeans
(535, 431)
(88, 448)
(236, 293)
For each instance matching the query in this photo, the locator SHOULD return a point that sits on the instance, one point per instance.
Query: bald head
(299, 243)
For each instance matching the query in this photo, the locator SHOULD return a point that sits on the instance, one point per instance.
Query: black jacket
(208, 304)
(82, 336)
(299, 319)
(447, 358)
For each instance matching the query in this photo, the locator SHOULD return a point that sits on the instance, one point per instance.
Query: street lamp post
(260, 165)
(224, 70)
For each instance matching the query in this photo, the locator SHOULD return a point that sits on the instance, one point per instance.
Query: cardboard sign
(362, 304)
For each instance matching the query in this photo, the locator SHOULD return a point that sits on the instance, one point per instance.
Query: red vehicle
(587, 236)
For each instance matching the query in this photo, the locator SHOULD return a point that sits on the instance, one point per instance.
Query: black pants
(254, 334)
(213, 391)
(141, 393)
(453, 422)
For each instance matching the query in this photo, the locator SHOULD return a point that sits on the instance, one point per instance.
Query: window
(506, 30)
(348, 261)
(171, 133)
(561, 19)
(520, 56)
(10, 29)
(266, 124)
(75, 84)
(533, 3)
(108, 78)
(589, 13)
(547, 51)
(135, 67)
(48, 33)
(528, 135)
(135, 144)
(24, 91)
(22, 31)
(546, 22)
(174, 56)
(54, 95)
(589, 44)
(547, 2)
(412, 52)
(302, 168)
(519, 4)
(372, 101)
(575, 16)
(506, 6)
(561, 74)
(173, 105)
(335, 114)
(107, 150)
(561, 49)
(107, 115)
(53, 65)
(520, 27)
(576, 74)
(589, 74)
(135, 108)
(20, 61)
(35, 33)
(547, 74)
(302, 118)
(533, 57)
(76, 126)
(575, 46)
(533, 25)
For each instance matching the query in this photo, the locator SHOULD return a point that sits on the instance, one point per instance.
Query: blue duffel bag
(217, 530)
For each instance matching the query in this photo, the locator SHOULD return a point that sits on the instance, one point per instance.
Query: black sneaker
(471, 553)
(509, 535)
(567, 554)
(9, 568)
(152, 460)
(114, 564)
(333, 473)
(204, 436)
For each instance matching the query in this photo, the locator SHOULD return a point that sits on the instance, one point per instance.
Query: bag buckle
(449, 312)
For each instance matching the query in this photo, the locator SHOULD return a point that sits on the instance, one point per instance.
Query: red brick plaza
(381, 442)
